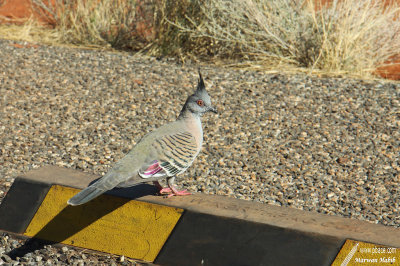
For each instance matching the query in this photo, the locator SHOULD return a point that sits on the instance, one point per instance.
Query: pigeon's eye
(200, 103)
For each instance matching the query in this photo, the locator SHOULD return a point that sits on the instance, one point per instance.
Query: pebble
(56, 255)
(317, 143)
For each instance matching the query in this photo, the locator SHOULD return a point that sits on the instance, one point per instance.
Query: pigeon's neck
(186, 113)
(193, 122)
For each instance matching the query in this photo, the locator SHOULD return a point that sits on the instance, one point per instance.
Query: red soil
(392, 71)
(19, 11)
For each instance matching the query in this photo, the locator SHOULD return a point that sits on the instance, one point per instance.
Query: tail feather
(85, 195)
(119, 174)
(107, 182)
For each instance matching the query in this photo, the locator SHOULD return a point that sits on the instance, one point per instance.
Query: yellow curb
(357, 252)
(109, 224)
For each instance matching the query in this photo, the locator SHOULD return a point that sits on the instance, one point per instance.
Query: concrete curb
(193, 230)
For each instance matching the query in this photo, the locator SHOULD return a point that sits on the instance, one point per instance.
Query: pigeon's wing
(171, 155)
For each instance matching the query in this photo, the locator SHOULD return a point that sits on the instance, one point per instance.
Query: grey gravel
(44, 254)
(324, 144)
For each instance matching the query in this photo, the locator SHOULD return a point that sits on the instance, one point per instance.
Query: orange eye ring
(200, 103)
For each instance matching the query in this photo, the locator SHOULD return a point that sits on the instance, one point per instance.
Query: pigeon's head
(199, 102)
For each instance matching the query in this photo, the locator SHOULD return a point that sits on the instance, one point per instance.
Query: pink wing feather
(154, 170)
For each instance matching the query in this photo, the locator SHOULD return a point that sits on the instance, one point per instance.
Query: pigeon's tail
(107, 182)
(85, 195)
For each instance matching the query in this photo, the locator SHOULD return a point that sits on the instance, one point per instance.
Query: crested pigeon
(164, 153)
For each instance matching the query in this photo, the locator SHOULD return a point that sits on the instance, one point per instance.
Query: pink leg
(165, 190)
(162, 190)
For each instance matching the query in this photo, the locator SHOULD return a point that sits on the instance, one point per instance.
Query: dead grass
(172, 38)
(108, 22)
(357, 36)
(30, 31)
(346, 37)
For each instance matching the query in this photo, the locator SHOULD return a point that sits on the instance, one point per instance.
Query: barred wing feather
(176, 153)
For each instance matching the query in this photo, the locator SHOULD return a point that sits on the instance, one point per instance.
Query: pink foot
(171, 191)
(176, 192)
(165, 190)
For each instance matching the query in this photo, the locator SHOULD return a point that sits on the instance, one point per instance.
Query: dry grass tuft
(346, 36)
(357, 36)
(93, 22)
(172, 25)
(30, 31)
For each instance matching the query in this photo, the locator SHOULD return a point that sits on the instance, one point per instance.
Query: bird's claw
(171, 191)
(179, 193)
(165, 190)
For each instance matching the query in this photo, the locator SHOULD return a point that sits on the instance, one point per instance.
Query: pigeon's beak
(214, 110)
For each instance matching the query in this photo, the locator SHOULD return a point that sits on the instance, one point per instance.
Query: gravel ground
(40, 254)
(329, 145)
